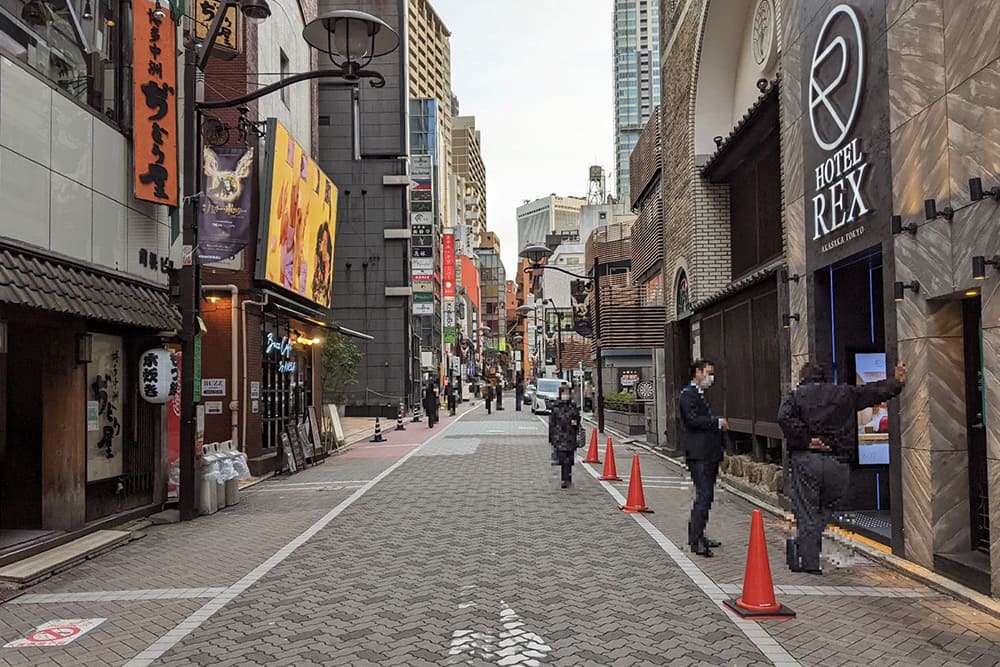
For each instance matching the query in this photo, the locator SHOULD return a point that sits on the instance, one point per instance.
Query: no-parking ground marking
(57, 633)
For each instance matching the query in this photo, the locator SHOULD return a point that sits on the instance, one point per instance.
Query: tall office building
(431, 111)
(536, 220)
(430, 74)
(426, 140)
(637, 78)
(468, 157)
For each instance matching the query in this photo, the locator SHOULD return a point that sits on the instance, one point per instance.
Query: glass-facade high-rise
(425, 139)
(637, 79)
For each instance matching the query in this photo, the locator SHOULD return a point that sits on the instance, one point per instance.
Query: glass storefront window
(286, 383)
(74, 44)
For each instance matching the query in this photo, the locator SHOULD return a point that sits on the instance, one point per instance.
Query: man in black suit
(703, 446)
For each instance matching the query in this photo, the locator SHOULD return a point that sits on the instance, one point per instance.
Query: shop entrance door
(851, 321)
(21, 438)
(979, 504)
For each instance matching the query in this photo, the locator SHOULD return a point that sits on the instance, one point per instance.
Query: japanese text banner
(154, 49)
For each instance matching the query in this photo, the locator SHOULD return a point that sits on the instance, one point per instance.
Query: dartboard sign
(645, 390)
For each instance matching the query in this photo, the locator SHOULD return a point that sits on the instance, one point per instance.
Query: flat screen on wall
(873, 423)
(298, 219)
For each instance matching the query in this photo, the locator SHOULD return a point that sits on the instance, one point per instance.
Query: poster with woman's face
(301, 222)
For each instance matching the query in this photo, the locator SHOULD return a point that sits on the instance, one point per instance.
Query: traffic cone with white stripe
(378, 431)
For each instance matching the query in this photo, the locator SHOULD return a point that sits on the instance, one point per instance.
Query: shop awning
(45, 283)
(319, 317)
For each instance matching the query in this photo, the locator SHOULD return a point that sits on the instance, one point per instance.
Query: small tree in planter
(340, 363)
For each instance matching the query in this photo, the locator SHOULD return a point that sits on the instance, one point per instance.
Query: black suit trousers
(703, 474)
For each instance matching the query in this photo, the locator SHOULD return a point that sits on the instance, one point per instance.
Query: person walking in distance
(488, 395)
(820, 420)
(518, 392)
(451, 398)
(499, 390)
(702, 432)
(431, 403)
(564, 433)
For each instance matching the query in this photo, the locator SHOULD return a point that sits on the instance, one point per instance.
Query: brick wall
(710, 257)
(678, 85)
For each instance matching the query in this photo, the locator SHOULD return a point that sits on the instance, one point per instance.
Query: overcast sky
(537, 75)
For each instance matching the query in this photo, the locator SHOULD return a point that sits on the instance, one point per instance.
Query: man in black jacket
(820, 422)
(703, 448)
(564, 433)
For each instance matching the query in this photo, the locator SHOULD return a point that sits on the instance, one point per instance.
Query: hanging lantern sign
(158, 375)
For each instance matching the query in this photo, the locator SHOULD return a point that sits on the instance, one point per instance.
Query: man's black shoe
(565, 484)
(805, 570)
(702, 550)
(712, 544)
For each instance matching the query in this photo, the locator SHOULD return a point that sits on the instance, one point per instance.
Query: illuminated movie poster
(298, 219)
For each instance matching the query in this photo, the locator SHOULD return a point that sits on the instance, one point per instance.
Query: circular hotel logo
(836, 77)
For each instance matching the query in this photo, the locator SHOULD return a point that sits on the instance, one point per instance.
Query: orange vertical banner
(154, 105)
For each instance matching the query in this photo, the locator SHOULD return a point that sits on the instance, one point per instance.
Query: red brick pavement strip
(829, 629)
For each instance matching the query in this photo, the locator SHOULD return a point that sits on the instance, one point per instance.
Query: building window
(284, 73)
(81, 56)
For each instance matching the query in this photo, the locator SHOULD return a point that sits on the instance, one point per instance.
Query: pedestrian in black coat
(451, 397)
(499, 395)
(431, 404)
(518, 394)
(488, 394)
(702, 434)
(820, 421)
(564, 433)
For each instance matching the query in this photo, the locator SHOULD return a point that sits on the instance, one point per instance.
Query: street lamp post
(559, 366)
(536, 254)
(533, 311)
(351, 39)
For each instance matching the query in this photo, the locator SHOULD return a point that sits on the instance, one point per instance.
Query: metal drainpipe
(234, 405)
(261, 304)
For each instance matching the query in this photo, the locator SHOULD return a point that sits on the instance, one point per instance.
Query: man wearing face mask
(564, 433)
(703, 446)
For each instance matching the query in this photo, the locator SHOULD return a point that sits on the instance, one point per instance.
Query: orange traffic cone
(636, 501)
(758, 590)
(592, 451)
(610, 472)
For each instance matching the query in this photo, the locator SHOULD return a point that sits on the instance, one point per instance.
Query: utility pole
(188, 279)
(597, 338)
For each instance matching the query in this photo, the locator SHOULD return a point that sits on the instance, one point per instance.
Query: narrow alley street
(457, 546)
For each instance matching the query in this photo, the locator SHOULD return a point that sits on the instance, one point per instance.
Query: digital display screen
(873, 422)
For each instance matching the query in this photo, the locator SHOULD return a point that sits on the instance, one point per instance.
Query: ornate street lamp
(351, 39)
